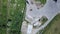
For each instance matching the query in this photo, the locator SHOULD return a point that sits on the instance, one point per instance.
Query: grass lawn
(11, 12)
(42, 1)
(16, 16)
(44, 19)
(54, 26)
(3, 16)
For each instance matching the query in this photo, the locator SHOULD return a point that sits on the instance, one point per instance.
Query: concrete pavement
(50, 10)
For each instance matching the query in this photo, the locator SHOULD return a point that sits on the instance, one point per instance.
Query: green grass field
(42, 1)
(3, 16)
(54, 26)
(11, 11)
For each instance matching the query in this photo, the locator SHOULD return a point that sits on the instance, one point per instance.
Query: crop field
(54, 26)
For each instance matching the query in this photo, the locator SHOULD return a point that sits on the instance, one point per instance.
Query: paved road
(50, 10)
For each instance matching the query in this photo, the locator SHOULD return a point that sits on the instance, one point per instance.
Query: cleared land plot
(54, 26)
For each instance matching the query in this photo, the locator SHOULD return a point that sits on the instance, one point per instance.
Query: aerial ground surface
(49, 10)
(54, 26)
(29, 16)
(11, 16)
